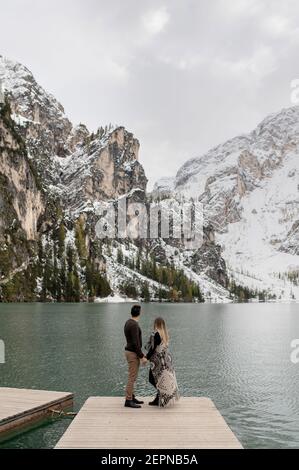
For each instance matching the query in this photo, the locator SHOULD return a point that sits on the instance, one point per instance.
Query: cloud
(276, 25)
(182, 75)
(256, 67)
(241, 8)
(155, 21)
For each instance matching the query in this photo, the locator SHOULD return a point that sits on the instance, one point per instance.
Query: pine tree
(62, 279)
(80, 240)
(129, 289)
(40, 257)
(61, 240)
(73, 287)
(70, 258)
(47, 285)
(138, 260)
(55, 283)
(173, 295)
(76, 286)
(145, 294)
(120, 256)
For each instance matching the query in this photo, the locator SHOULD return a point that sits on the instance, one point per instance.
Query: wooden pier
(192, 423)
(21, 407)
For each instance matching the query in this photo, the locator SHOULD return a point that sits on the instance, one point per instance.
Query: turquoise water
(236, 354)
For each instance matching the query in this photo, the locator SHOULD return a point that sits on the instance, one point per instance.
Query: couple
(161, 375)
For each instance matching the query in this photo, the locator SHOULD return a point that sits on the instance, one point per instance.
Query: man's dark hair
(135, 310)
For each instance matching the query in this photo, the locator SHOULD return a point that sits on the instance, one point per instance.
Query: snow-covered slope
(259, 245)
(249, 187)
(164, 186)
(42, 116)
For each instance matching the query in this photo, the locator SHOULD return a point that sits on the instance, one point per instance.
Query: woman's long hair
(160, 326)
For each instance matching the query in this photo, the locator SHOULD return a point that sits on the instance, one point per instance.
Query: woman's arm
(157, 341)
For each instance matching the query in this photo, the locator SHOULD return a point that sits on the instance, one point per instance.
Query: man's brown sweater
(134, 337)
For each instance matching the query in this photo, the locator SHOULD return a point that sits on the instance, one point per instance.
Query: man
(134, 355)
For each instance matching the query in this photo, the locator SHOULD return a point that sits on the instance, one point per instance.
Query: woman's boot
(155, 402)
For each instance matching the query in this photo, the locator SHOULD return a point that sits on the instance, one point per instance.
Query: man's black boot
(138, 402)
(131, 404)
(155, 402)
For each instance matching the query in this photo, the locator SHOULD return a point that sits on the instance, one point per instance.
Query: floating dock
(21, 407)
(192, 423)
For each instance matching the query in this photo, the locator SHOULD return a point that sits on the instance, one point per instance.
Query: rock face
(106, 162)
(21, 202)
(249, 189)
(36, 109)
(105, 167)
(223, 176)
(21, 187)
(54, 176)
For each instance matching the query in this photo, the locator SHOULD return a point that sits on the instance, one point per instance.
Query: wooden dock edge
(33, 416)
(193, 423)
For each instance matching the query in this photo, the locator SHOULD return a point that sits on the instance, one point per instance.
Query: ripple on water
(238, 355)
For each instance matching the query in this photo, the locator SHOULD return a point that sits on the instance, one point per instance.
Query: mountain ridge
(74, 172)
(227, 180)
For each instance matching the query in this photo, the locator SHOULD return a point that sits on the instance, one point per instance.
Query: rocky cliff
(54, 178)
(21, 205)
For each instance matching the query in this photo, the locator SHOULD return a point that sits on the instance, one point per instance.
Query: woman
(162, 374)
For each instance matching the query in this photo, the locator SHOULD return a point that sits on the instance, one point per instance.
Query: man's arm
(136, 341)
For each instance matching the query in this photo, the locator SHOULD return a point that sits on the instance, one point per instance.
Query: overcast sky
(183, 75)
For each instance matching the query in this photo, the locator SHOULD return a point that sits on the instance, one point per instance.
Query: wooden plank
(192, 423)
(21, 407)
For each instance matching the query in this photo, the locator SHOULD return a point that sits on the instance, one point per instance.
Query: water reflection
(238, 355)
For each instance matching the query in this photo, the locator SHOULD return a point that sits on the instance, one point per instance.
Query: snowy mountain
(249, 188)
(54, 176)
(164, 186)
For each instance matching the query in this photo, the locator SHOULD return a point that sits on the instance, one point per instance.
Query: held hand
(143, 360)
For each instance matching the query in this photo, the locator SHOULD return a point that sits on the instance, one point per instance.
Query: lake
(236, 354)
